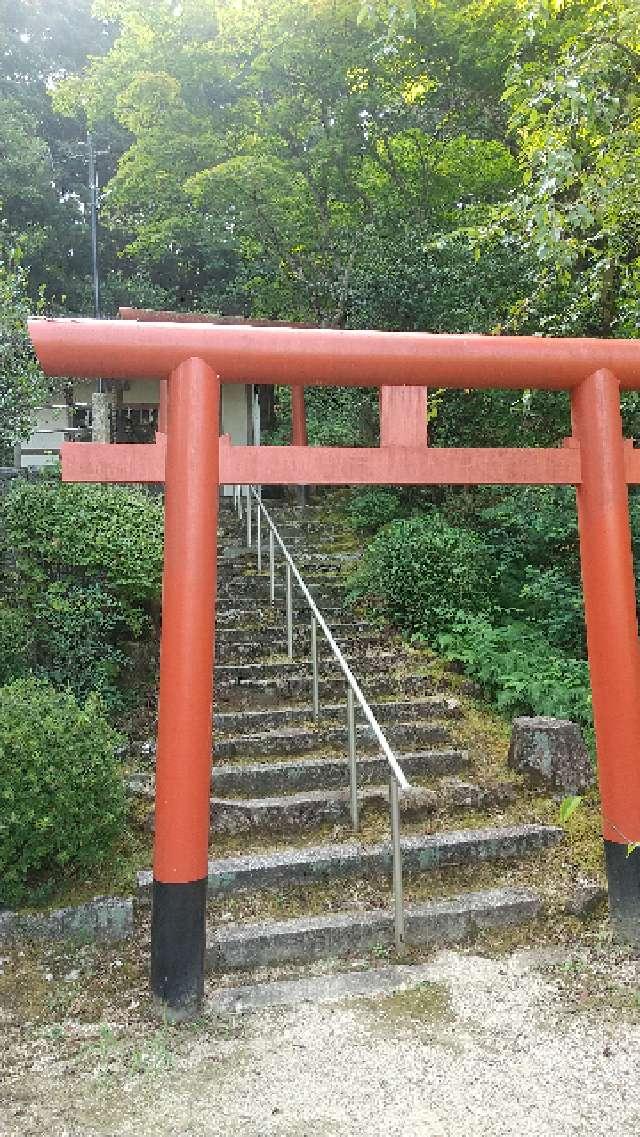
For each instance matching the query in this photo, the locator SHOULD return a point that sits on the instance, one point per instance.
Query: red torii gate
(193, 462)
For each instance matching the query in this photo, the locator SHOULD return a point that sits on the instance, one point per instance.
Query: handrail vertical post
(398, 896)
(249, 518)
(272, 568)
(259, 534)
(289, 584)
(314, 668)
(353, 768)
(240, 502)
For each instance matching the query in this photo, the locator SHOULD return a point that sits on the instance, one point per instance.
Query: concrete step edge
(314, 863)
(425, 707)
(438, 922)
(376, 981)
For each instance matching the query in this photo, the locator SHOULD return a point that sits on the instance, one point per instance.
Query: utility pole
(100, 402)
(93, 191)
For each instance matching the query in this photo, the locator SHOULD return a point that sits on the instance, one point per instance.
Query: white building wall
(53, 425)
(237, 407)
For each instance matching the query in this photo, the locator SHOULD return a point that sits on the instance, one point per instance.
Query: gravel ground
(546, 1046)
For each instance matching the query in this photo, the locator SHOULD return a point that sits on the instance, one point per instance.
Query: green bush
(552, 603)
(423, 572)
(84, 569)
(62, 799)
(370, 509)
(16, 643)
(90, 533)
(81, 636)
(519, 668)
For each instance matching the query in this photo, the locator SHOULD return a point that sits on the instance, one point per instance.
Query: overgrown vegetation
(81, 586)
(491, 579)
(62, 803)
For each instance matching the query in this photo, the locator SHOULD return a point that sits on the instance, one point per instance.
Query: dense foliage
(82, 585)
(491, 579)
(423, 571)
(62, 802)
(22, 384)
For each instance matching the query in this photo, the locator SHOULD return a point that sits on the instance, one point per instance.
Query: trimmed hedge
(62, 797)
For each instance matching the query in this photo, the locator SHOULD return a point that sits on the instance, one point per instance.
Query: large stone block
(552, 753)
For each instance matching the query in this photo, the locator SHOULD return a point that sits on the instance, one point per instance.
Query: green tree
(573, 96)
(22, 383)
(275, 146)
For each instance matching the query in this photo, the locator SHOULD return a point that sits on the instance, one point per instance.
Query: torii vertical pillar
(612, 636)
(183, 763)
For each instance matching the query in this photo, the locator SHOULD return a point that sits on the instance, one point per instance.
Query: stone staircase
(289, 883)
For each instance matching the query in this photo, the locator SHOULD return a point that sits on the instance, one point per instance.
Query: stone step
(376, 982)
(256, 693)
(293, 740)
(282, 868)
(233, 613)
(306, 534)
(274, 642)
(317, 807)
(247, 722)
(254, 779)
(265, 625)
(314, 578)
(367, 664)
(248, 591)
(269, 778)
(439, 922)
(245, 558)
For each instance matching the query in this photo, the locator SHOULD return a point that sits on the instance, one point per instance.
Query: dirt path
(546, 1046)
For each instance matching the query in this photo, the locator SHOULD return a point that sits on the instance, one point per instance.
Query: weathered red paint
(610, 601)
(125, 349)
(332, 466)
(403, 416)
(183, 762)
(102, 462)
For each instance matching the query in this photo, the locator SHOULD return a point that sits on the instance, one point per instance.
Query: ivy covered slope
(490, 578)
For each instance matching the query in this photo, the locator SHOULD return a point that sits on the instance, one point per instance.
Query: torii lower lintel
(339, 466)
(331, 466)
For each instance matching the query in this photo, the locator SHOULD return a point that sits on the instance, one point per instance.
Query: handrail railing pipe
(397, 779)
(396, 860)
(353, 765)
(289, 590)
(259, 537)
(314, 668)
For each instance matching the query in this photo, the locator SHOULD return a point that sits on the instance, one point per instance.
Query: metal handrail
(397, 779)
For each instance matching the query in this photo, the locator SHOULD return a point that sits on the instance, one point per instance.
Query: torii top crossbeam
(126, 349)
